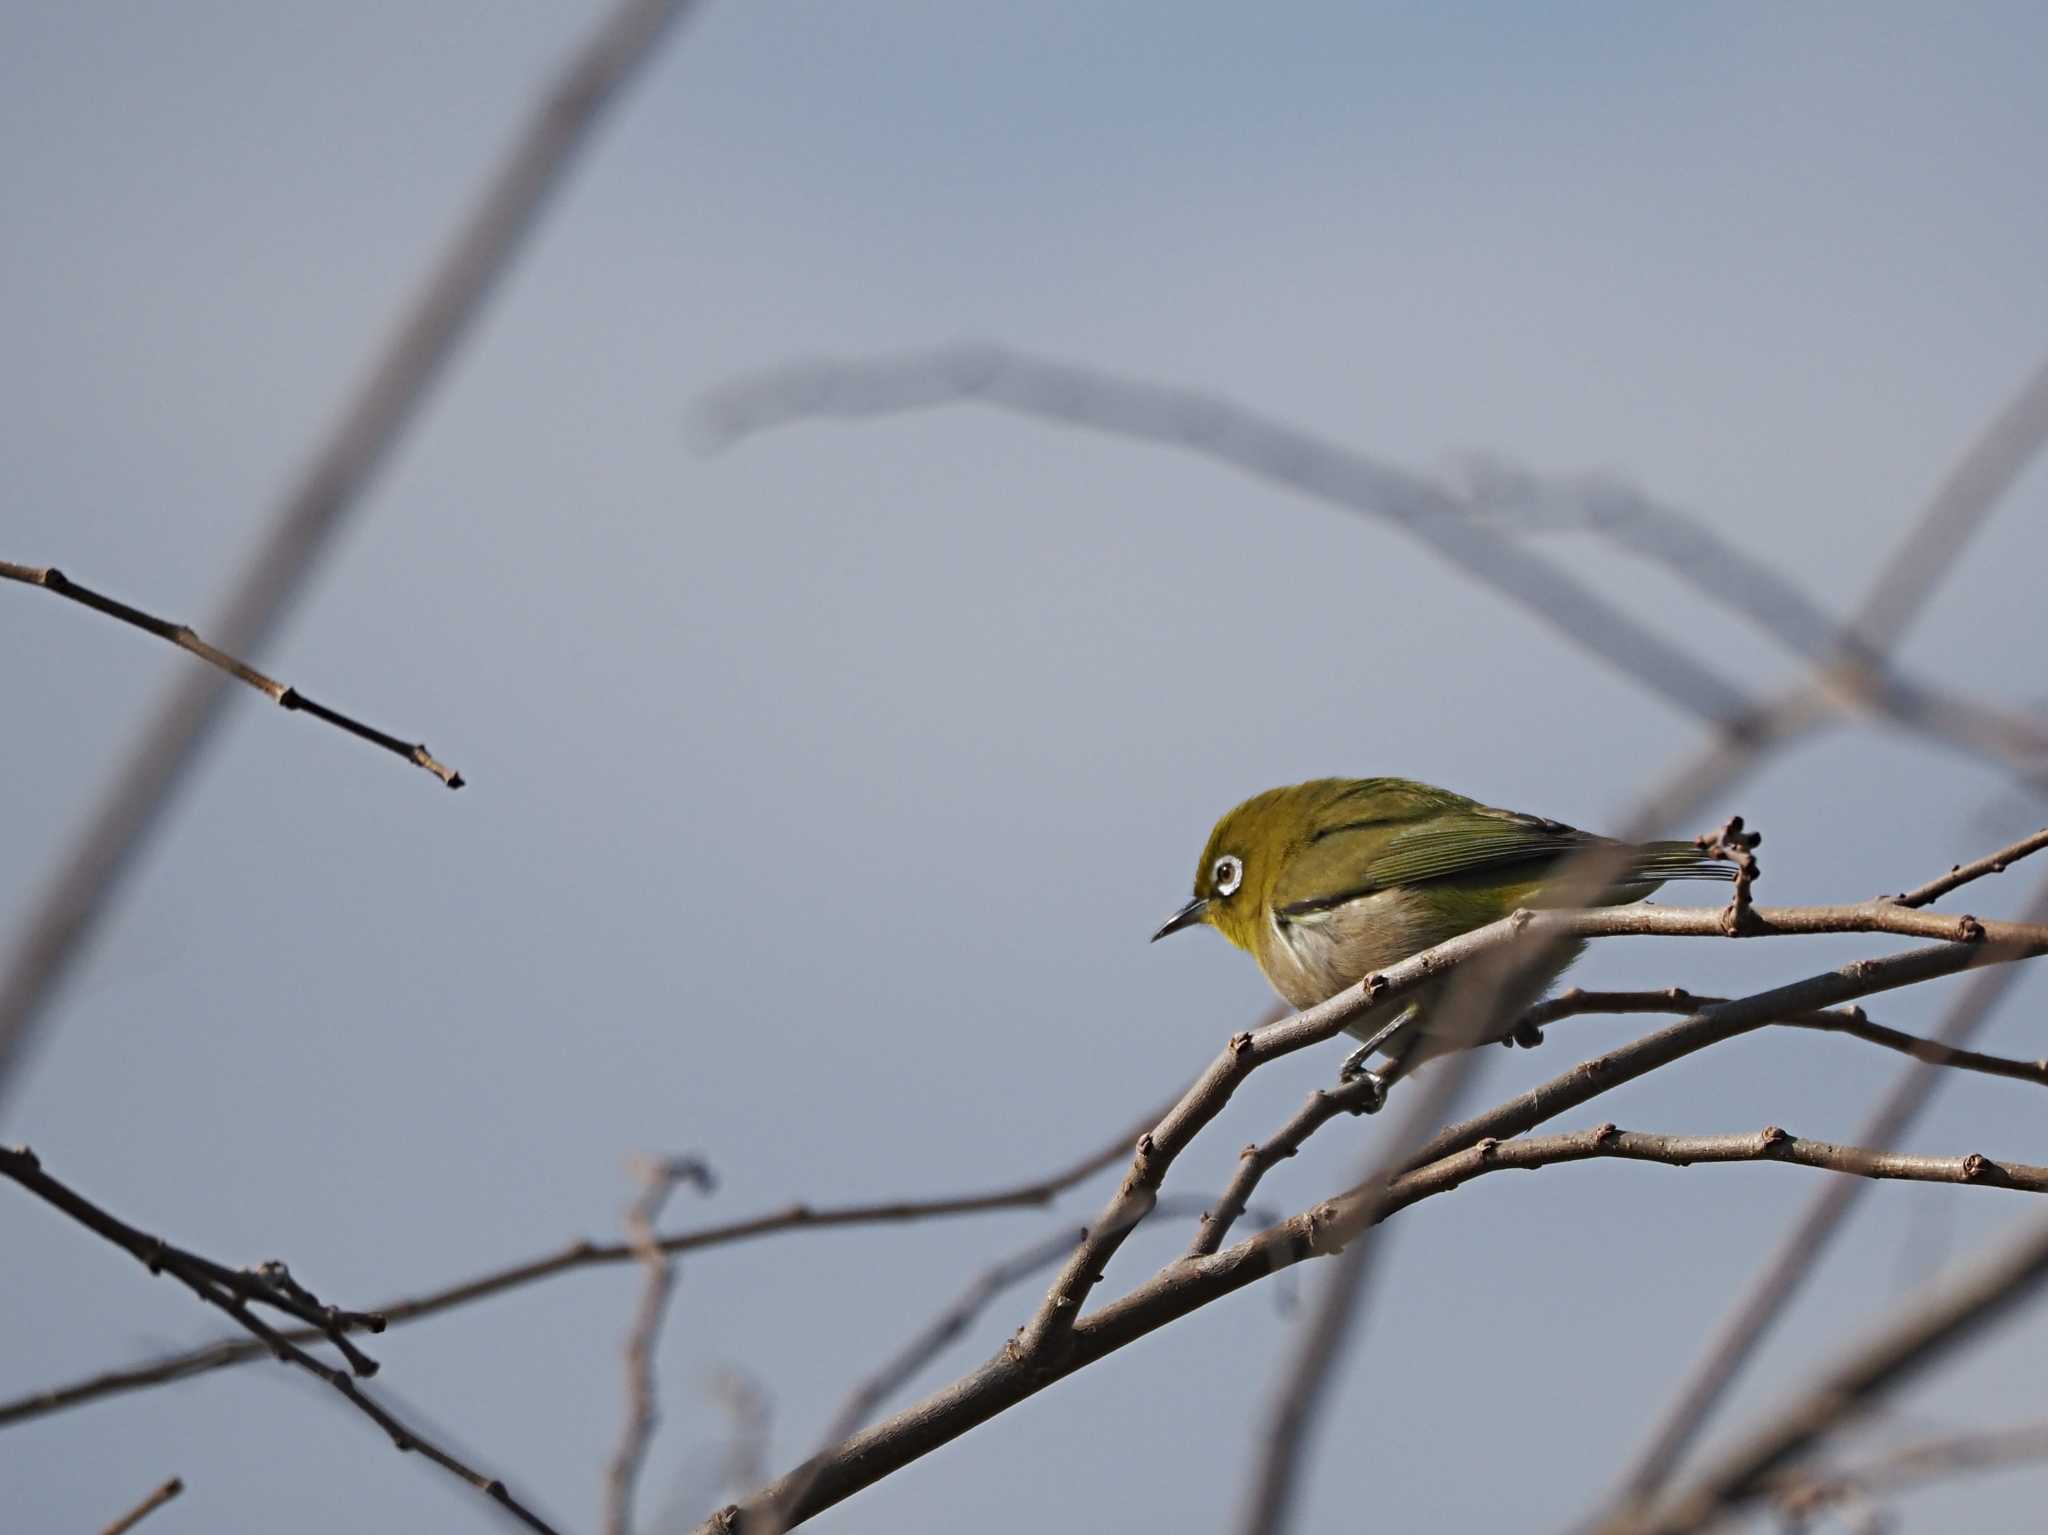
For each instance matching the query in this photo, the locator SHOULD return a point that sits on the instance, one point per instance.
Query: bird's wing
(1446, 839)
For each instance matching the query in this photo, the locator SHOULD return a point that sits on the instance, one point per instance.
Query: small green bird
(1326, 882)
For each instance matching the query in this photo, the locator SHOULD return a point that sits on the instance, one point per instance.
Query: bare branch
(184, 1364)
(1187, 1286)
(930, 1339)
(146, 1507)
(643, 1413)
(1924, 1331)
(1963, 873)
(50, 579)
(1782, 1275)
(234, 1293)
(331, 484)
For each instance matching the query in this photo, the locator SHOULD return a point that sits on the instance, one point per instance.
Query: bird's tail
(1677, 860)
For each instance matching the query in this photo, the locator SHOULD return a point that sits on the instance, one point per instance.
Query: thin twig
(1853, 1022)
(925, 1345)
(304, 526)
(1918, 1335)
(146, 1507)
(1781, 1276)
(1963, 873)
(234, 1293)
(51, 579)
(643, 1412)
(1034, 1194)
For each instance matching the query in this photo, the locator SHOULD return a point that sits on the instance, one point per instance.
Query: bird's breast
(1316, 955)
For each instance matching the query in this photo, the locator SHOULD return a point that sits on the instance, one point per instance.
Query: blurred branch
(1517, 501)
(1802, 1493)
(643, 1413)
(1764, 1300)
(51, 579)
(1573, 1002)
(1986, 471)
(330, 485)
(1262, 447)
(270, 1285)
(1218, 428)
(1918, 1336)
(146, 1507)
(1034, 1194)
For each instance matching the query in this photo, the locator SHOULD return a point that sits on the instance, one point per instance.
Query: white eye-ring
(1227, 875)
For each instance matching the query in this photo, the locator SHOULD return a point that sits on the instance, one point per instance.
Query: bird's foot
(1359, 1077)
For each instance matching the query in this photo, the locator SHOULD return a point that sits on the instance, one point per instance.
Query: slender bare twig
(1763, 1301)
(51, 579)
(1852, 1022)
(304, 526)
(1916, 1337)
(1963, 873)
(643, 1411)
(1323, 1229)
(232, 1290)
(1034, 1194)
(924, 1346)
(235, 1293)
(146, 1507)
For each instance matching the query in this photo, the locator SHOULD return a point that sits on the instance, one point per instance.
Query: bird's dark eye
(1226, 875)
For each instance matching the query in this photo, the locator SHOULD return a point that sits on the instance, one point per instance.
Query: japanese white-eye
(1328, 881)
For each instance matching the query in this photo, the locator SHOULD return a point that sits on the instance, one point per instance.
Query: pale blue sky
(824, 791)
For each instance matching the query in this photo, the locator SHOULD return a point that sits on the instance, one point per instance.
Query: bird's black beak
(1187, 916)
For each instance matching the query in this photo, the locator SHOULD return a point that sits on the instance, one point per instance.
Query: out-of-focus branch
(1217, 428)
(330, 485)
(1850, 1021)
(1258, 445)
(1963, 873)
(1764, 1300)
(1035, 1194)
(1986, 471)
(643, 1412)
(1517, 501)
(270, 1285)
(1802, 1493)
(1919, 1335)
(146, 1507)
(50, 579)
